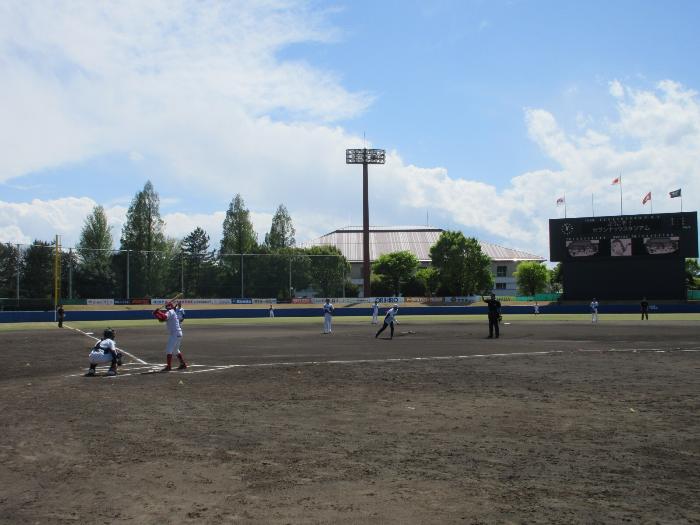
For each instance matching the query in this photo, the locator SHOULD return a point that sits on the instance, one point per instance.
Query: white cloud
(42, 220)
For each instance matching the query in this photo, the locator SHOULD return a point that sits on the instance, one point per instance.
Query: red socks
(181, 358)
(169, 359)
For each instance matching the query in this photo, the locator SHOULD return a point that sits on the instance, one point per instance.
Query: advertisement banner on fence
(264, 301)
(462, 299)
(193, 301)
(109, 302)
(386, 299)
(416, 299)
(139, 301)
(302, 300)
(335, 300)
(241, 301)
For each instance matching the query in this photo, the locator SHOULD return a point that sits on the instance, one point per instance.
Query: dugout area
(553, 422)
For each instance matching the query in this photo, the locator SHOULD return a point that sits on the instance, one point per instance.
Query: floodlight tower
(365, 157)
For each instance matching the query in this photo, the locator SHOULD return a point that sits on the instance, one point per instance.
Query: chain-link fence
(28, 275)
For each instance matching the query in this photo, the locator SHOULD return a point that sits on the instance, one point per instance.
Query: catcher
(105, 351)
(171, 318)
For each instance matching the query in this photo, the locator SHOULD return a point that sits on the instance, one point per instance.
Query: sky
(489, 112)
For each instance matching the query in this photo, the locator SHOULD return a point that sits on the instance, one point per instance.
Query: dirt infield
(551, 423)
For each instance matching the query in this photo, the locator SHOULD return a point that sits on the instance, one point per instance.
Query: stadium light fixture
(365, 157)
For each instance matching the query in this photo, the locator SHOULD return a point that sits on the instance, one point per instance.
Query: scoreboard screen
(657, 236)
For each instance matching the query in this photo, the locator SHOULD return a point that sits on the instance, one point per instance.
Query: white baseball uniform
(327, 318)
(375, 313)
(175, 331)
(101, 353)
(594, 311)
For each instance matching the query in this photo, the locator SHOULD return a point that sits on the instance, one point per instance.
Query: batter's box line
(133, 369)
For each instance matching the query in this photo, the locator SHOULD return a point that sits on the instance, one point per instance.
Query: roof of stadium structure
(415, 239)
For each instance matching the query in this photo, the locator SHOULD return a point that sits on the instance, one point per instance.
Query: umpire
(494, 310)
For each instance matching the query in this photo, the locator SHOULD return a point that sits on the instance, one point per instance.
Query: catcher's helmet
(108, 333)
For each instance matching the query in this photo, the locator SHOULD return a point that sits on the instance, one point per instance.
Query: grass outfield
(403, 319)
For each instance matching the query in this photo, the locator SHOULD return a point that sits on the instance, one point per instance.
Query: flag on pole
(616, 180)
(646, 198)
(560, 201)
(675, 193)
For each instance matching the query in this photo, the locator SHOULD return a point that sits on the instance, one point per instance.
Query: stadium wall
(250, 313)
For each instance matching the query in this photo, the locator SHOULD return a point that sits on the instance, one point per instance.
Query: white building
(418, 240)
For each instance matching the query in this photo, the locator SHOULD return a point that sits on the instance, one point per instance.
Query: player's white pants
(327, 318)
(374, 319)
(594, 317)
(174, 342)
(99, 357)
(272, 313)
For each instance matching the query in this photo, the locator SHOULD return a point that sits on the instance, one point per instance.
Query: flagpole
(565, 205)
(681, 202)
(651, 207)
(592, 206)
(620, 193)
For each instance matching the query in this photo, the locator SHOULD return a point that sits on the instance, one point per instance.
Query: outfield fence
(41, 272)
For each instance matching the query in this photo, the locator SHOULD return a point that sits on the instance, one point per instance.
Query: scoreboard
(624, 237)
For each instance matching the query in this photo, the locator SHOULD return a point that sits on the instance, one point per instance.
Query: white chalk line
(152, 368)
(132, 356)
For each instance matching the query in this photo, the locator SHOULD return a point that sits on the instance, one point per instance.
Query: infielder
(375, 312)
(272, 312)
(389, 320)
(170, 317)
(327, 317)
(105, 351)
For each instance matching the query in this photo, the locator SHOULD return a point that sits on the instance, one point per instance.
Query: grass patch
(98, 326)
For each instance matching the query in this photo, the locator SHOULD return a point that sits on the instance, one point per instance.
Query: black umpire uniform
(494, 310)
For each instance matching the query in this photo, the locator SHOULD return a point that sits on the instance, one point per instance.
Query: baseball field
(557, 421)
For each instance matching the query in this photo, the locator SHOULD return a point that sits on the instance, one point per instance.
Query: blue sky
(489, 112)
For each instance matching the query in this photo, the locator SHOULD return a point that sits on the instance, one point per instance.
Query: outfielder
(327, 317)
(594, 311)
(375, 312)
(105, 351)
(169, 316)
(389, 320)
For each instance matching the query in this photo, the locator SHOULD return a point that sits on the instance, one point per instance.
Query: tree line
(150, 264)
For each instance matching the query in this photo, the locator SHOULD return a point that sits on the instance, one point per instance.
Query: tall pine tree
(143, 237)
(238, 238)
(95, 276)
(282, 231)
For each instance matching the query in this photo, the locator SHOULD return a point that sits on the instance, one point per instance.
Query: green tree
(328, 269)
(37, 277)
(94, 273)
(556, 278)
(692, 273)
(10, 258)
(464, 269)
(396, 268)
(143, 236)
(430, 278)
(196, 258)
(238, 237)
(282, 231)
(531, 277)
